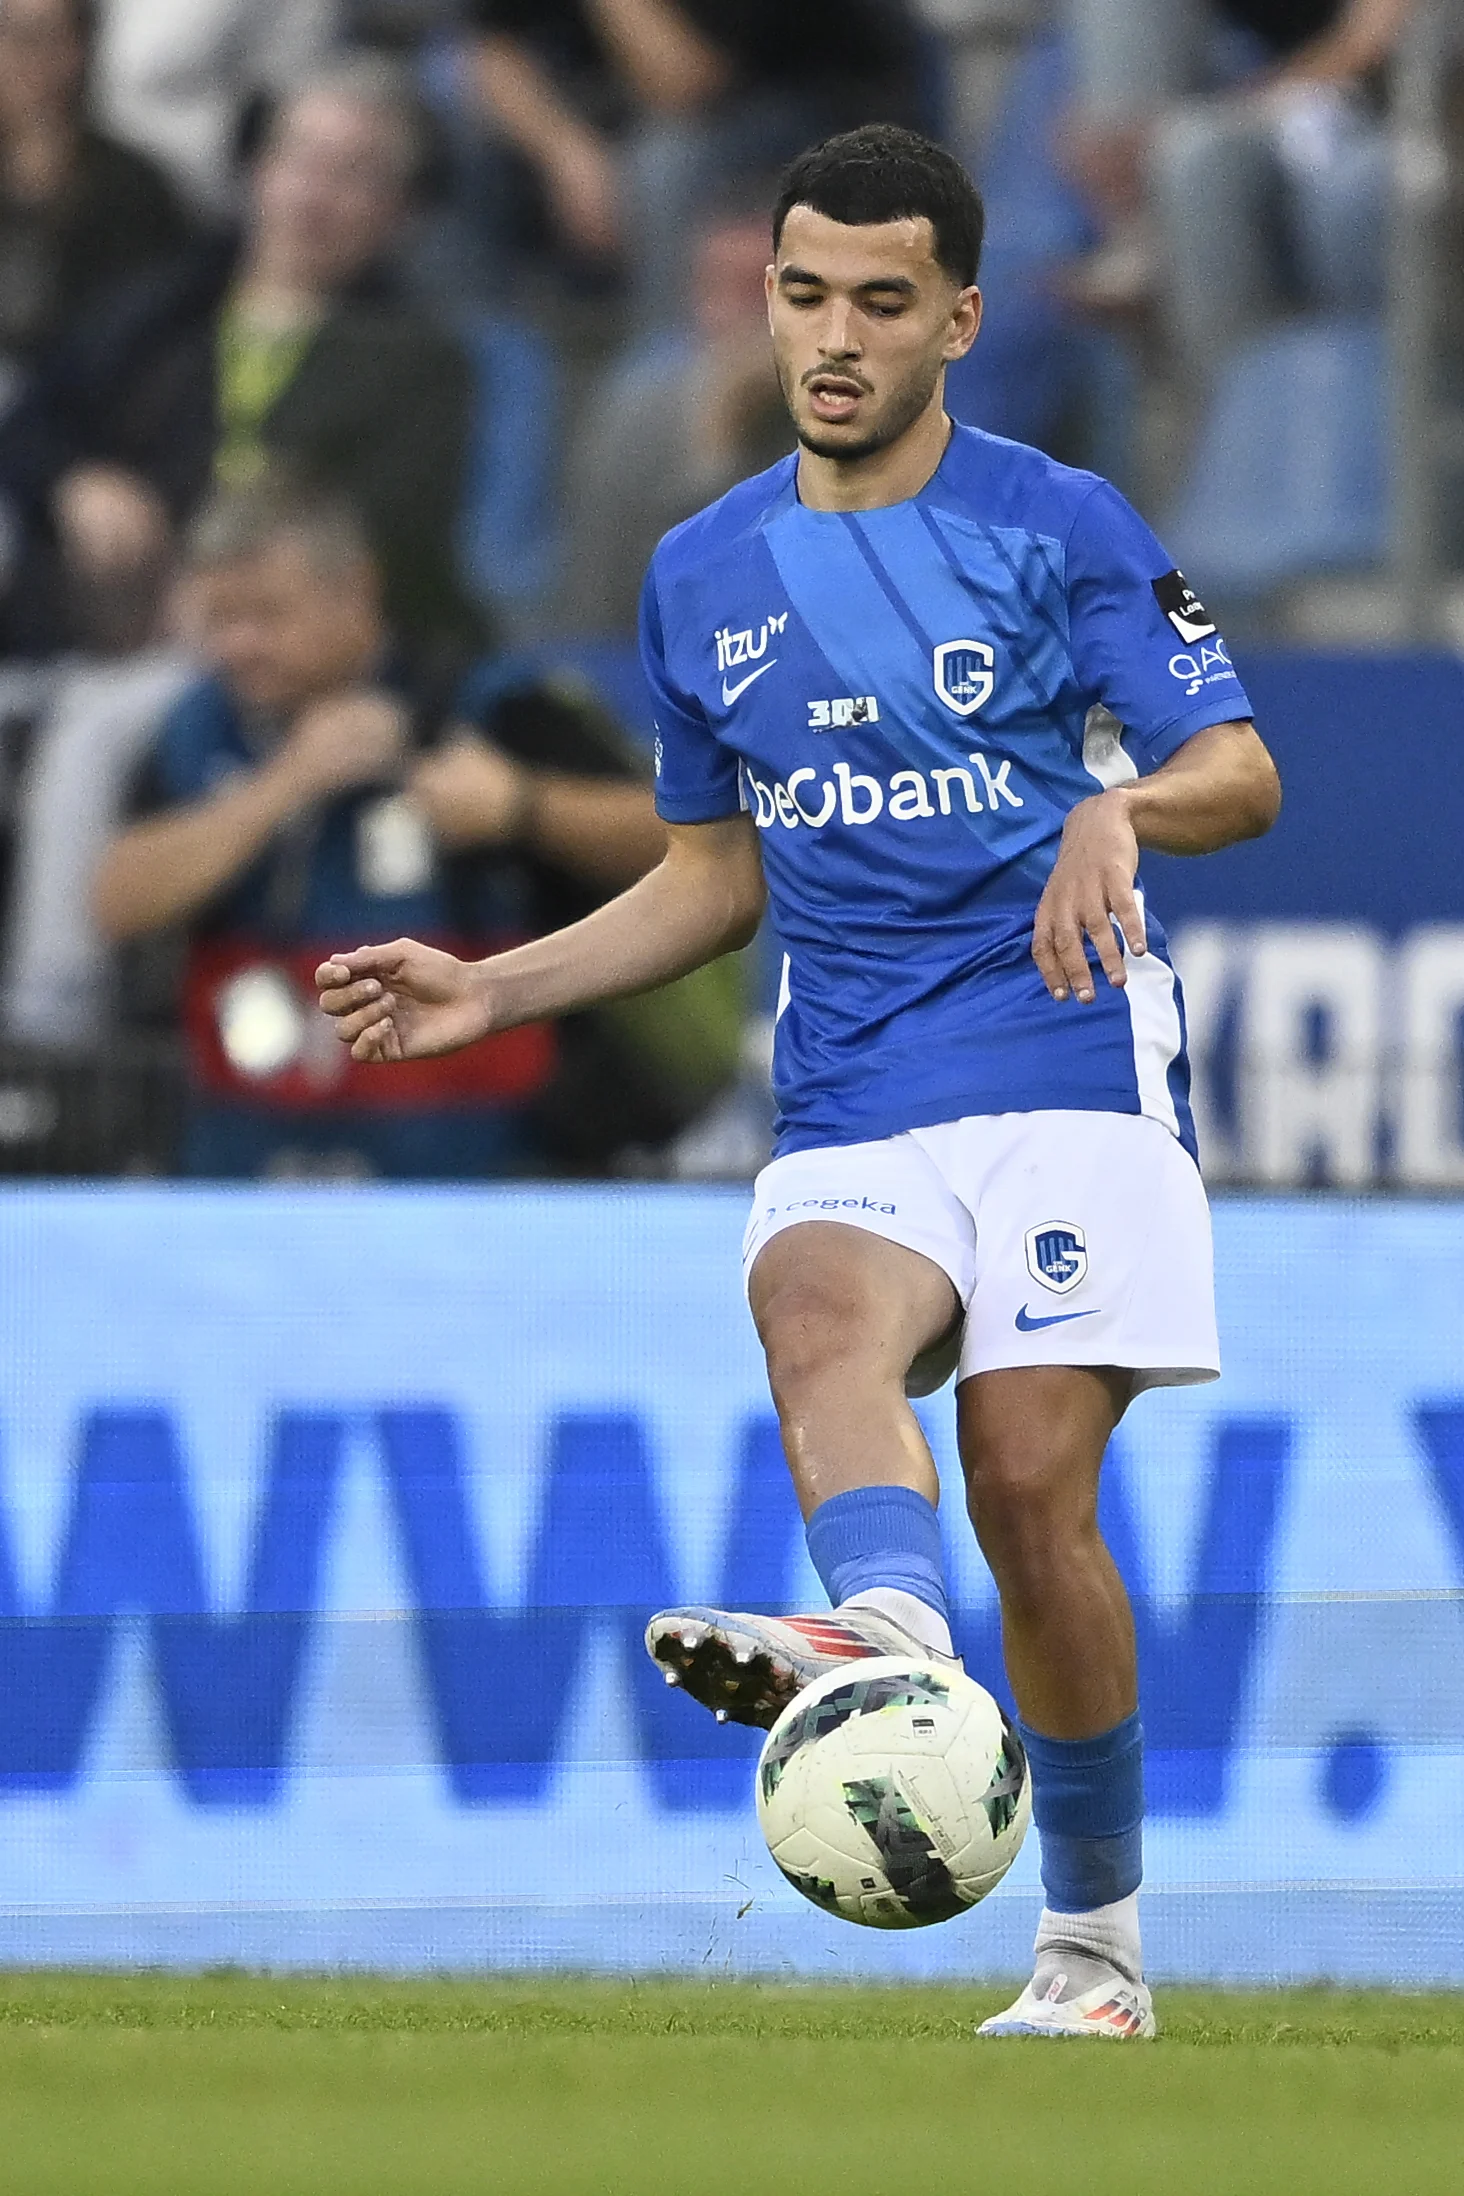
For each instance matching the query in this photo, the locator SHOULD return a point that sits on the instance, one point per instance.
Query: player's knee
(812, 1332)
(1026, 1507)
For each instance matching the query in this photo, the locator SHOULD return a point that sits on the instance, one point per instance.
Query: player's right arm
(406, 1001)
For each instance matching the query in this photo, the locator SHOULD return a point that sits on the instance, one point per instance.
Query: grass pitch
(238, 2086)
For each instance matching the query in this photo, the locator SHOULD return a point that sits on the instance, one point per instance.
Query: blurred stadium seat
(507, 534)
(1040, 373)
(65, 1116)
(1289, 476)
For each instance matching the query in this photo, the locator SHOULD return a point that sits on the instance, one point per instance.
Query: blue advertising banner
(329, 1522)
(1324, 964)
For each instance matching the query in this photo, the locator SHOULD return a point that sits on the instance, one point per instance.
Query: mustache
(837, 373)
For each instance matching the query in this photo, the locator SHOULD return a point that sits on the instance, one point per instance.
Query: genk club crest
(1057, 1255)
(965, 673)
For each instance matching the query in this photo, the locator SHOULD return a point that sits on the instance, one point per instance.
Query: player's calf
(1032, 1442)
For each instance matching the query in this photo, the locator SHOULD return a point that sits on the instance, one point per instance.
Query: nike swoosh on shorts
(730, 693)
(1027, 1325)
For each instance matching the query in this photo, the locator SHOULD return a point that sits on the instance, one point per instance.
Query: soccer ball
(893, 1792)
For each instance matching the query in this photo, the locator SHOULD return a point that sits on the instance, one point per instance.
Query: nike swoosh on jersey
(1027, 1325)
(730, 693)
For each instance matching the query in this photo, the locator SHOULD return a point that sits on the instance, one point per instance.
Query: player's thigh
(1031, 1441)
(1093, 1248)
(858, 1249)
(830, 1298)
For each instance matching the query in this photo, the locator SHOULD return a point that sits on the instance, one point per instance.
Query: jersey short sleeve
(1142, 643)
(696, 779)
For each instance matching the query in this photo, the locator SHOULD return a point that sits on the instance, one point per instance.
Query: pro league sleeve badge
(1183, 608)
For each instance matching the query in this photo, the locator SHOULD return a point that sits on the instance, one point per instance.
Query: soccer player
(932, 693)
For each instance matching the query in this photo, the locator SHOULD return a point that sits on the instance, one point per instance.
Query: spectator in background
(79, 215)
(98, 719)
(78, 212)
(622, 109)
(1267, 195)
(291, 341)
(675, 428)
(287, 803)
(398, 26)
(177, 77)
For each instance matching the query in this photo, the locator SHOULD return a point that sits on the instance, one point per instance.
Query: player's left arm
(1220, 787)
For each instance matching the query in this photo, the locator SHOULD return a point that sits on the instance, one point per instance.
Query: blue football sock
(1088, 1805)
(874, 1537)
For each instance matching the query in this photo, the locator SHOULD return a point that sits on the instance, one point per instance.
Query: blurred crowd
(353, 357)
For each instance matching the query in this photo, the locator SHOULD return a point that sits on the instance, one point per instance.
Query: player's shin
(1088, 1805)
(879, 1548)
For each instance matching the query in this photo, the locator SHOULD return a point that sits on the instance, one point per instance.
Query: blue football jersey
(909, 702)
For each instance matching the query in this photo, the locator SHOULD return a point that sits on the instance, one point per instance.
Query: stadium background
(307, 1660)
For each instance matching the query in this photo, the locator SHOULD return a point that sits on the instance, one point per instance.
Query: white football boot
(1073, 1994)
(747, 1668)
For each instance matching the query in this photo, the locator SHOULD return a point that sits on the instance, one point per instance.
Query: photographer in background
(288, 794)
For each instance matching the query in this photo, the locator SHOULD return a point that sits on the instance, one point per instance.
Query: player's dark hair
(882, 172)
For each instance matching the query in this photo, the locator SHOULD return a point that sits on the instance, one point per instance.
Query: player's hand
(403, 1001)
(1091, 888)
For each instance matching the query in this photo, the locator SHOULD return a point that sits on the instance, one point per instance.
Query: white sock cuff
(1106, 1932)
(925, 1625)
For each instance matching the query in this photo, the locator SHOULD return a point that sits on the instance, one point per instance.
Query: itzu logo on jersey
(735, 648)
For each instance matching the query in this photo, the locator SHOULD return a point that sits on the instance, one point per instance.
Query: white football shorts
(1070, 1238)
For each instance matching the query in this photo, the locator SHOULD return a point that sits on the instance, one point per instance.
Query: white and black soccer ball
(893, 1792)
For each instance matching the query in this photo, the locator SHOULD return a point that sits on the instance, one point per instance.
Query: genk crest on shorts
(1057, 1255)
(965, 673)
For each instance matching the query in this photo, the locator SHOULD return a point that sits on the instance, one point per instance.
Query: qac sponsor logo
(1208, 666)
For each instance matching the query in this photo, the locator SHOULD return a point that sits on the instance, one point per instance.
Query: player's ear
(965, 323)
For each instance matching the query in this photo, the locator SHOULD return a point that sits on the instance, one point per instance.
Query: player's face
(864, 322)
